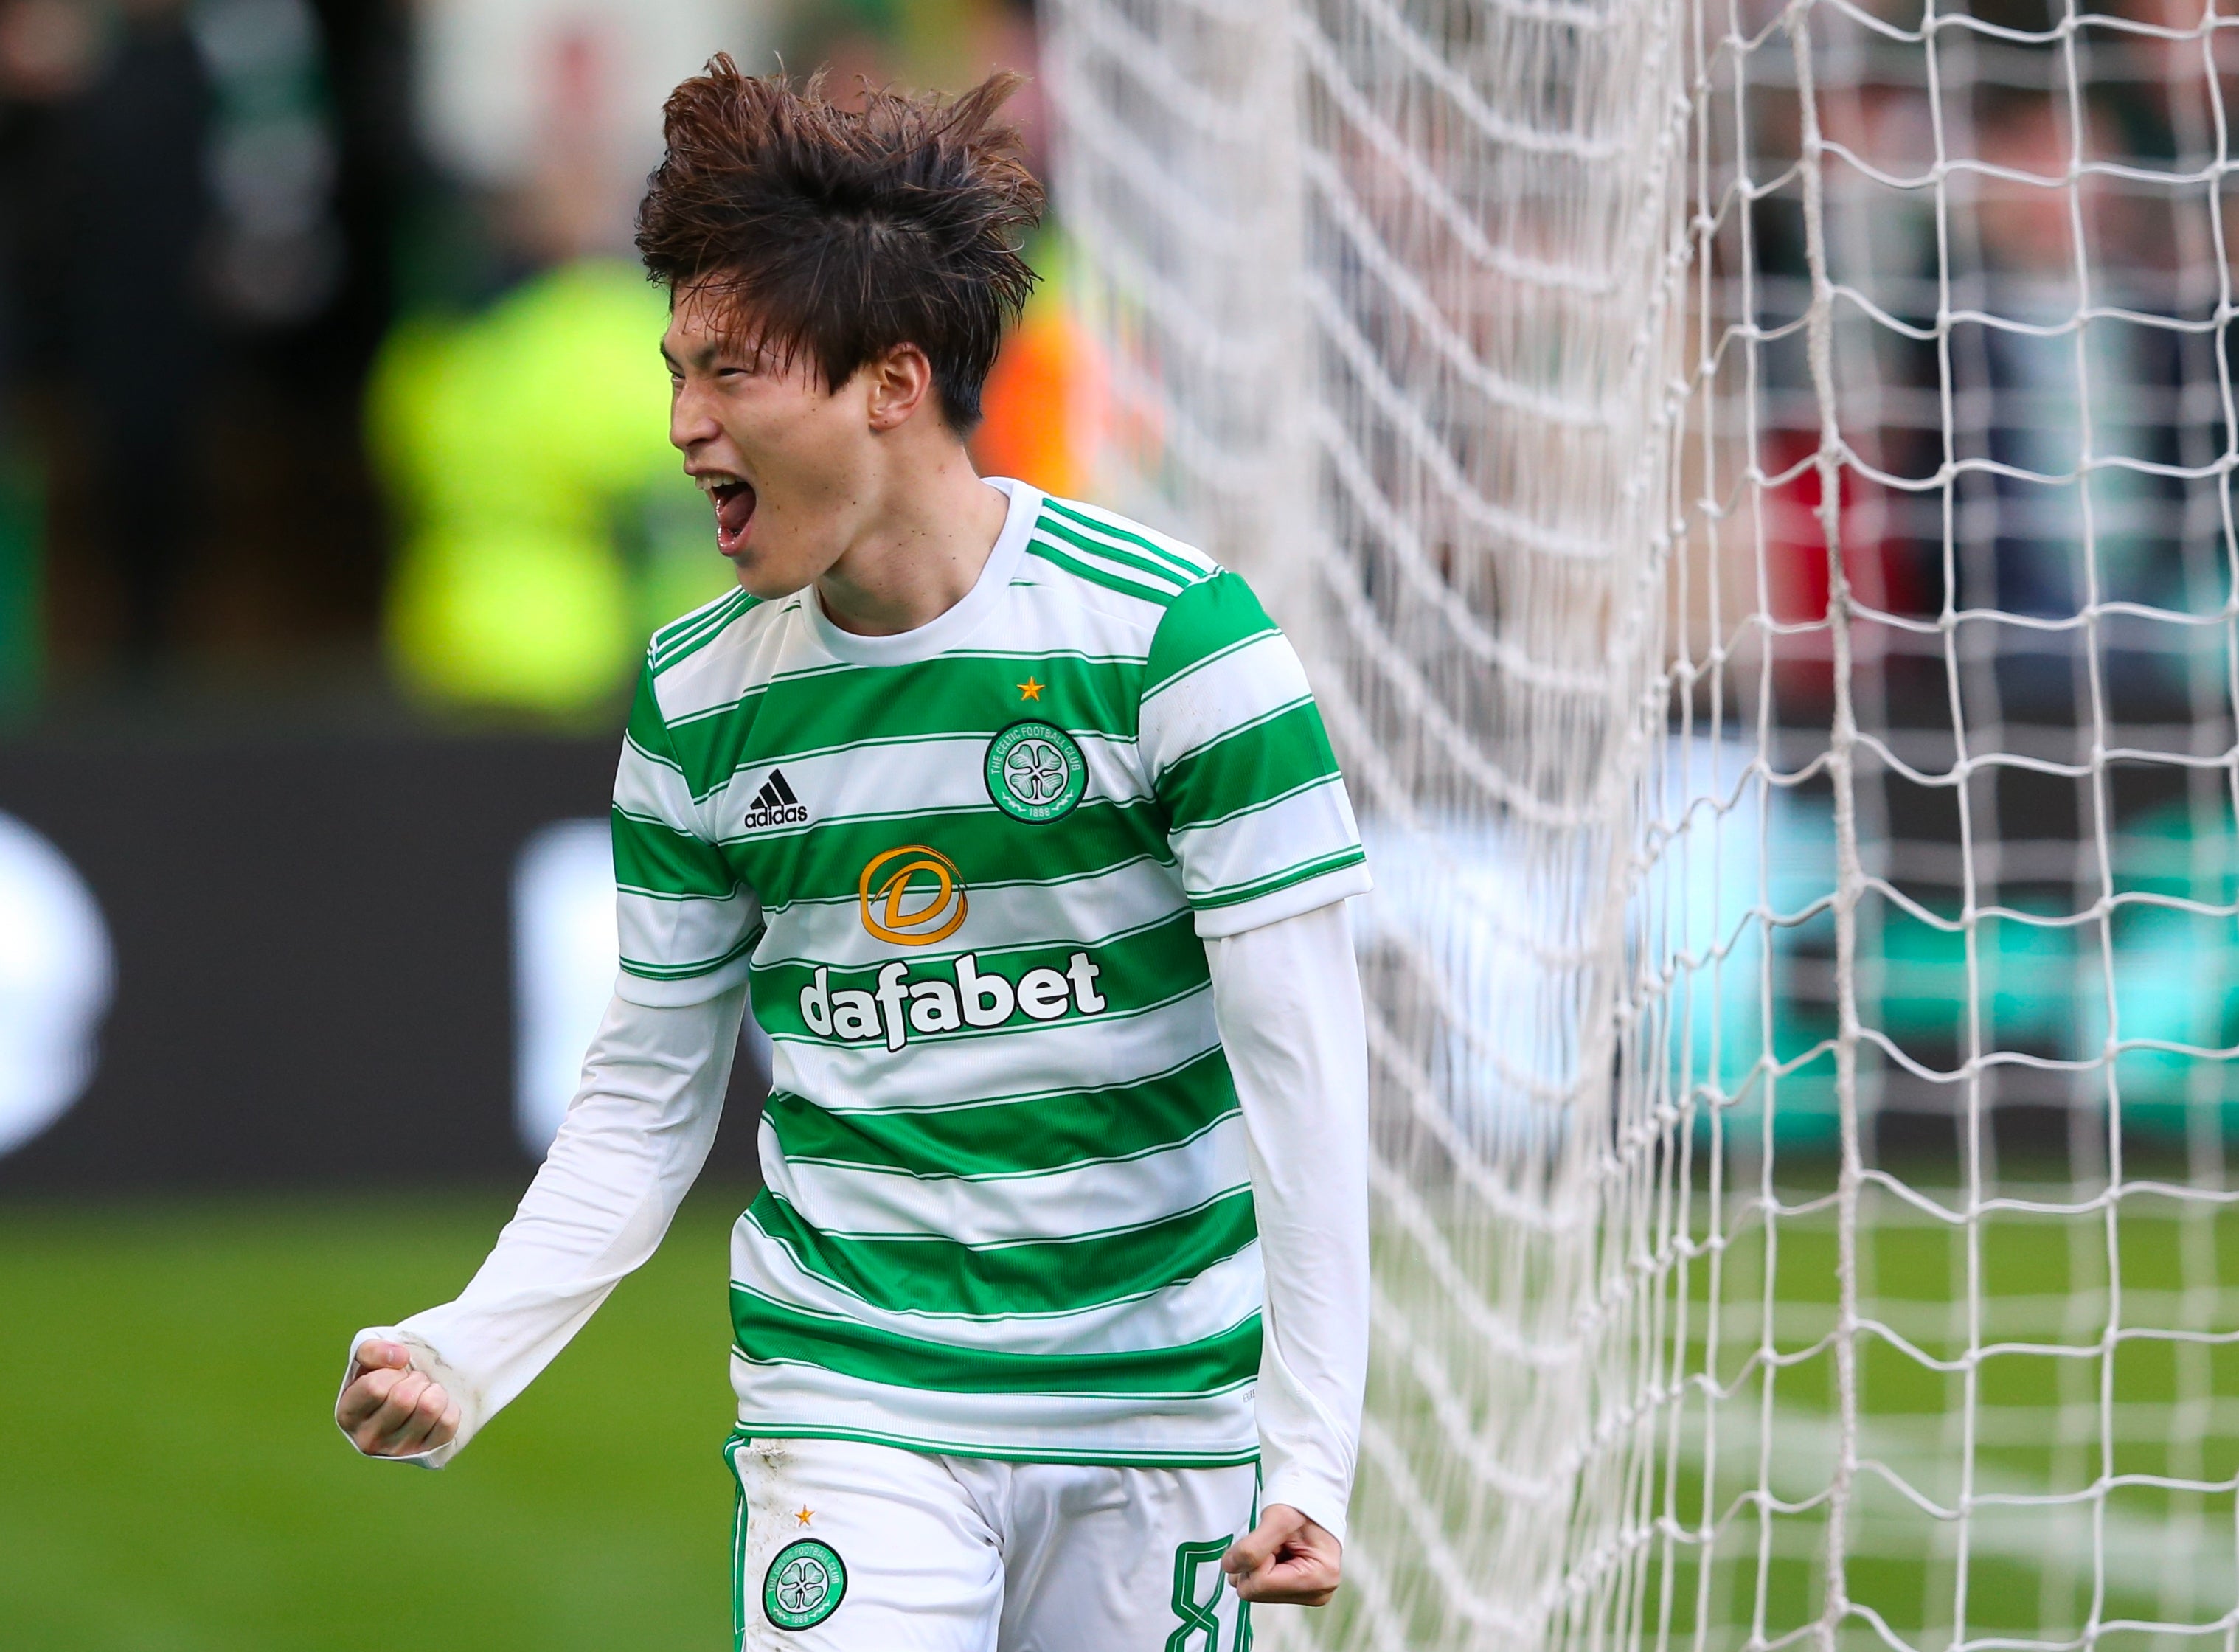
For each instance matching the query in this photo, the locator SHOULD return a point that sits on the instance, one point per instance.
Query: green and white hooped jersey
(967, 871)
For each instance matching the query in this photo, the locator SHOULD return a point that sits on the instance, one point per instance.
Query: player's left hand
(1286, 1558)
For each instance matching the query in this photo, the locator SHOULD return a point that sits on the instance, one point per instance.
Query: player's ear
(900, 383)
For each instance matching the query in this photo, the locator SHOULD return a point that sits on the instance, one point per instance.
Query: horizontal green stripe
(634, 749)
(936, 1276)
(824, 860)
(654, 857)
(712, 746)
(688, 971)
(1249, 767)
(1134, 971)
(1202, 660)
(1238, 893)
(1065, 510)
(1137, 1459)
(771, 1332)
(647, 732)
(1209, 618)
(1012, 1134)
(948, 696)
(1317, 783)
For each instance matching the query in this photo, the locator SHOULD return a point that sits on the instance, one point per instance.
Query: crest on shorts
(804, 1585)
(1035, 770)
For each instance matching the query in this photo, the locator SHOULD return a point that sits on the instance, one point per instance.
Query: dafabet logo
(911, 896)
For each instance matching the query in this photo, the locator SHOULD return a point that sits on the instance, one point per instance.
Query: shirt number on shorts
(1198, 1581)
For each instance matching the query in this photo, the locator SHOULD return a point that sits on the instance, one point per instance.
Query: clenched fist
(1285, 1557)
(388, 1409)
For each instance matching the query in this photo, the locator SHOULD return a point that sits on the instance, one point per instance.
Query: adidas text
(776, 805)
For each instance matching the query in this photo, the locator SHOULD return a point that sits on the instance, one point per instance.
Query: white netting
(1751, 484)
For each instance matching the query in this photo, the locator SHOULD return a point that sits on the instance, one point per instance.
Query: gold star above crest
(805, 1515)
(1030, 689)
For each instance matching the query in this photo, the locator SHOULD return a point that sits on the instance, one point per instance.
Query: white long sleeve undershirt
(628, 1150)
(1287, 997)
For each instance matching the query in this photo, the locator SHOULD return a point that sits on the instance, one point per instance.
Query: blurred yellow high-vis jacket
(547, 525)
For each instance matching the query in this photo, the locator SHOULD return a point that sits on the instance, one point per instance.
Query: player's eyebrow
(715, 351)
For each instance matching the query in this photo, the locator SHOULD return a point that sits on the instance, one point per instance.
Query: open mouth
(735, 509)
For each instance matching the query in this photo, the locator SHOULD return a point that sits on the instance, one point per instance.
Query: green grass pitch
(2103, 1370)
(173, 1481)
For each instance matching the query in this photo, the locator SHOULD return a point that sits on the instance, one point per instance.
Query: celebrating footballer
(1015, 825)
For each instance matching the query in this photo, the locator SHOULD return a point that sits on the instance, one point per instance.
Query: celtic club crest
(1035, 772)
(804, 1585)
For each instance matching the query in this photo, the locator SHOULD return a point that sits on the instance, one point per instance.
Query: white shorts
(841, 1547)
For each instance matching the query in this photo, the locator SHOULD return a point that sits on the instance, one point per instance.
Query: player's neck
(921, 553)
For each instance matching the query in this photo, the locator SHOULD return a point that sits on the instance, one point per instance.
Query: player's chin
(759, 580)
(767, 574)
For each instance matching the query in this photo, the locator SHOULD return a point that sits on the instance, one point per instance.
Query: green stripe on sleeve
(1236, 894)
(1109, 578)
(1012, 1134)
(712, 747)
(1250, 767)
(658, 859)
(695, 631)
(1157, 570)
(691, 971)
(932, 1275)
(647, 731)
(1181, 565)
(1210, 618)
(768, 1331)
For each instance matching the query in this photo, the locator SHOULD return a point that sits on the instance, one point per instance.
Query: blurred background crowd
(2033, 241)
(330, 409)
(336, 509)
(327, 372)
(331, 415)
(333, 464)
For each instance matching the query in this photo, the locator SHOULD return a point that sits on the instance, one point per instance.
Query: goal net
(1751, 484)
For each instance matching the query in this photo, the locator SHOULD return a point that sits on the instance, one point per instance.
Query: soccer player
(1018, 825)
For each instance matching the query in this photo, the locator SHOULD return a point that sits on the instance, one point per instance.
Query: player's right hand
(391, 1410)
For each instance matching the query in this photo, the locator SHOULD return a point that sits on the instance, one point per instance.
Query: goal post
(1752, 485)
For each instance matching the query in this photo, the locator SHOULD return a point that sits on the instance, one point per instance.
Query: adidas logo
(776, 805)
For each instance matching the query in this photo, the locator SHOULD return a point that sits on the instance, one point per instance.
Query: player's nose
(690, 421)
